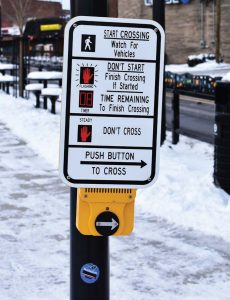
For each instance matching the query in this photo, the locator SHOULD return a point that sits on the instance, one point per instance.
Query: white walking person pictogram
(87, 43)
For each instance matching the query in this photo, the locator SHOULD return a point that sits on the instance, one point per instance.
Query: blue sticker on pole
(185, 1)
(89, 273)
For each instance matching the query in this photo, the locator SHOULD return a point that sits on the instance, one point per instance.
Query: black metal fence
(197, 86)
(206, 87)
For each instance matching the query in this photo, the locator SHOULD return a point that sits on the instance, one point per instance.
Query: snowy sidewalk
(34, 252)
(159, 261)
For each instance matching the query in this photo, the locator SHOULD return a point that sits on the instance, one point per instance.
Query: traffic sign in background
(111, 104)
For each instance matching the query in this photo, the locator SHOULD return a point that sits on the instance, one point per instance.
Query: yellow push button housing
(105, 211)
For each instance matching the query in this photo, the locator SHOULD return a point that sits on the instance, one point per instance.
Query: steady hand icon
(87, 75)
(85, 133)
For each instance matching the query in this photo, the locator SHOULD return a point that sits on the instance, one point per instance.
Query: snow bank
(206, 67)
(207, 56)
(184, 193)
(226, 77)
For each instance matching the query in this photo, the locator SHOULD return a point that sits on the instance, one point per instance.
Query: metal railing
(197, 86)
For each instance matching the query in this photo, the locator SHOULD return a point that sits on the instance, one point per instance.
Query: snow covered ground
(33, 225)
(226, 77)
(210, 68)
(180, 245)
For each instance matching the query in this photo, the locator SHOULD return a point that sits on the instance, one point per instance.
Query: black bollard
(222, 136)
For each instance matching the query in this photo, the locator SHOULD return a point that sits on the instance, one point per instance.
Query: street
(196, 117)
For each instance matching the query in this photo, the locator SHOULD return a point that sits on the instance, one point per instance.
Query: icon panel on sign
(88, 43)
(87, 75)
(84, 133)
(86, 99)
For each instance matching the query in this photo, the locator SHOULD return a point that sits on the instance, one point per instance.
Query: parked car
(194, 60)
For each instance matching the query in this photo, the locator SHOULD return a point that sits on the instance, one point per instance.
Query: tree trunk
(218, 21)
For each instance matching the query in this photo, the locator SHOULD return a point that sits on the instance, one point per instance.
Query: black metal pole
(95, 8)
(87, 249)
(175, 118)
(21, 67)
(159, 16)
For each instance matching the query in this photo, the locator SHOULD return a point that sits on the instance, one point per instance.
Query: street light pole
(159, 16)
(87, 251)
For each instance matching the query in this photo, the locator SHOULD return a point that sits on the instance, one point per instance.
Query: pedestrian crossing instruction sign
(111, 102)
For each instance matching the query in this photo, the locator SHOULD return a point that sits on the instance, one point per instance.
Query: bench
(35, 88)
(54, 95)
(5, 81)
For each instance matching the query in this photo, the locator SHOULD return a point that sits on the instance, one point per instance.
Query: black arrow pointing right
(113, 163)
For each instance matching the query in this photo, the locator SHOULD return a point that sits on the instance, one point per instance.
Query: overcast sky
(65, 4)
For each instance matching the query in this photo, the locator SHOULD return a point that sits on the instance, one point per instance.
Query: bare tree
(18, 12)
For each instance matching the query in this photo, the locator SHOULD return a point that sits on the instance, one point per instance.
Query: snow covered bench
(45, 77)
(54, 95)
(36, 89)
(5, 81)
(6, 67)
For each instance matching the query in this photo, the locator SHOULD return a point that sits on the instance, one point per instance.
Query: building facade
(16, 12)
(190, 27)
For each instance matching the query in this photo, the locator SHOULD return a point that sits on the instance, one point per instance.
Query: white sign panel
(111, 102)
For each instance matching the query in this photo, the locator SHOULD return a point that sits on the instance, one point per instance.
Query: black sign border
(156, 106)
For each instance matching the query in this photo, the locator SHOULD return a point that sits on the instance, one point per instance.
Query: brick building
(189, 28)
(12, 11)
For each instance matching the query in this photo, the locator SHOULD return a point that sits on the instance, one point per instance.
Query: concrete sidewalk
(34, 225)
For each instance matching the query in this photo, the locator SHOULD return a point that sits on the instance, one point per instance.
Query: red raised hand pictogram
(85, 133)
(87, 75)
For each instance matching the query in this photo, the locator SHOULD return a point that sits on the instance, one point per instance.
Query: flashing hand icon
(87, 75)
(85, 134)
